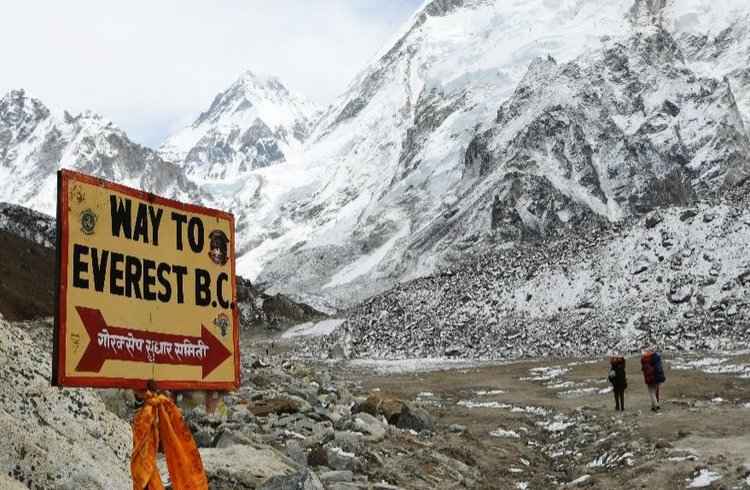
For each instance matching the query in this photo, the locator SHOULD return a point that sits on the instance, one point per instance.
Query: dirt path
(554, 423)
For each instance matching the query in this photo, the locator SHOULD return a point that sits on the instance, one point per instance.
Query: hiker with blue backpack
(653, 375)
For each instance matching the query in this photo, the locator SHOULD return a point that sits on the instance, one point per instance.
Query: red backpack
(649, 373)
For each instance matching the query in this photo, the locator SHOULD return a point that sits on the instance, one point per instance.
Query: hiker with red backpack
(653, 375)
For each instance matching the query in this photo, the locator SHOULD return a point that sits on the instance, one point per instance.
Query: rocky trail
(385, 425)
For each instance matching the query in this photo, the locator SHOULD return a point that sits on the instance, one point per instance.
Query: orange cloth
(160, 419)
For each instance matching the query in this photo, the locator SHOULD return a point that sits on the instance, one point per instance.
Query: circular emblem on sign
(219, 247)
(222, 323)
(88, 222)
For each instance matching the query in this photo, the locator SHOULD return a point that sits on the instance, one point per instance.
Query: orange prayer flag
(160, 420)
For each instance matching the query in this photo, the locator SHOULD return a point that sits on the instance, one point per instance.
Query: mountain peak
(259, 81)
(18, 109)
(256, 122)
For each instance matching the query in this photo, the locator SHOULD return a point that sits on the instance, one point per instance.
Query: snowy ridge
(35, 143)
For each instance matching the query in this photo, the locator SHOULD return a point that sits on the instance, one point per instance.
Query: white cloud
(152, 66)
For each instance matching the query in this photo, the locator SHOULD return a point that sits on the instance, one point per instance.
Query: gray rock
(582, 481)
(688, 214)
(245, 466)
(456, 428)
(65, 435)
(373, 429)
(338, 459)
(322, 433)
(680, 294)
(639, 267)
(413, 418)
(205, 436)
(241, 414)
(348, 486)
(302, 480)
(336, 476)
(653, 219)
(352, 442)
(230, 438)
(296, 452)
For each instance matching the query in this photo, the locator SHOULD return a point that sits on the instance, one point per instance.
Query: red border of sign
(58, 356)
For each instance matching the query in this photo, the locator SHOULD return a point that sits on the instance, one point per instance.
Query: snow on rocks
(505, 433)
(482, 404)
(313, 329)
(526, 302)
(712, 365)
(703, 479)
(490, 392)
(559, 424)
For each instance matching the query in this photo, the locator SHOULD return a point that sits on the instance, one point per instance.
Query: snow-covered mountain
(523, 117)
(483, 123)
(255, 123)
(35, 143)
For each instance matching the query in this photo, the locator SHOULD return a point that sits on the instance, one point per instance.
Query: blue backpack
(658, 368)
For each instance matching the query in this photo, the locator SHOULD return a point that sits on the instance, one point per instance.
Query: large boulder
(378, 404)
(55, 438)
(413, 418)
(395, 411)
(241, 467)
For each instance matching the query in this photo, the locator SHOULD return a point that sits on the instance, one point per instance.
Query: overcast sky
(152, 66)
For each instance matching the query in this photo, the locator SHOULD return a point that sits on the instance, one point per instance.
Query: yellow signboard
(146, 290)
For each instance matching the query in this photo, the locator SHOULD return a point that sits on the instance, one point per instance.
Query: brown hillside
(27, 277)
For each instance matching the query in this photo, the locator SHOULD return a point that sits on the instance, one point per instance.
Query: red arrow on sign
(107, 342)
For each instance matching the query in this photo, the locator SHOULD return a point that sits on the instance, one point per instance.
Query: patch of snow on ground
(489, 393)
(505, 433)
(313, 329)
(704, 479)
(557, 425)
(545, 373)
(473, 404)
(401, 366)
(713, 365)
(577, 393)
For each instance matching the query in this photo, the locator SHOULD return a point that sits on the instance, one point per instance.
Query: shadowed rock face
(614, 133)
(28, 224)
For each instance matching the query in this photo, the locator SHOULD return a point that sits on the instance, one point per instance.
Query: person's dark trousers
(619, 399)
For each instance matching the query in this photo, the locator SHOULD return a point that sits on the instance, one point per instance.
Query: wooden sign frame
(59, 375)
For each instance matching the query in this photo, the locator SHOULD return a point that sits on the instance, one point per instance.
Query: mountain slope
(677, 278)
(547, 112)
(255, 123)
(35, 143)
